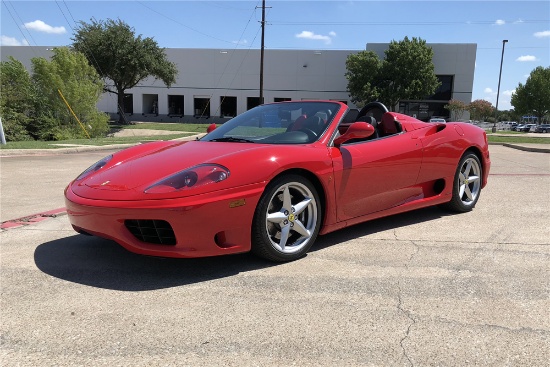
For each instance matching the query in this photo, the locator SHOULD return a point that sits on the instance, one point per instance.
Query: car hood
(130, 172)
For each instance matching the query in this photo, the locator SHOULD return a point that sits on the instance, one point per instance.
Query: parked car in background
(507, 125)
(525, 128)
(544, 128)
(438, 120)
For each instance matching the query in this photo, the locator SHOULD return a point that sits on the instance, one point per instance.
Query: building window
(150, 104)
(175, 105)
(282, 99)
(129, 104)
(228, 106)
(252, 102)
(202, 107)
(423, 110)
(445, 90)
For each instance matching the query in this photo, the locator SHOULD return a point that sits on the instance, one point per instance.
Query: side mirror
(210, 128)
(357, 130)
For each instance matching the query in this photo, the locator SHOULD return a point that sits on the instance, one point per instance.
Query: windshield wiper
(233, 140)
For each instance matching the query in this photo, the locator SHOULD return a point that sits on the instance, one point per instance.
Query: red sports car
(273, 178)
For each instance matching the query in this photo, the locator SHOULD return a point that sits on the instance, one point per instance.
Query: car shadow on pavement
(104, 264)
(379, 225)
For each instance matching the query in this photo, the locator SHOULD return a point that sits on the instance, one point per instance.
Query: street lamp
(498, 89)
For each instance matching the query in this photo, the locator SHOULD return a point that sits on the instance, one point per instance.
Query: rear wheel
(287, 219)
(467, 184)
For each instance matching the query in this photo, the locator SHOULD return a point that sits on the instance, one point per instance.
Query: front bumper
(204, 225)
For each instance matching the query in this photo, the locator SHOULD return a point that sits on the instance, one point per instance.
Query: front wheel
(467, 184)
(287, 219)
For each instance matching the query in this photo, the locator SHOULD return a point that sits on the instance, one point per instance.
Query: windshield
(278, 123)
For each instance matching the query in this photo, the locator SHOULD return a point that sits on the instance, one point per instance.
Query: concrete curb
(91, 148)
(80, 149)
(535, 148)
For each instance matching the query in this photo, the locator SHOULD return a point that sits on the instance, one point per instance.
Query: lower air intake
(159, 232)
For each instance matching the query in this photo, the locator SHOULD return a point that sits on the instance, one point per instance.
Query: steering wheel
(372, 106)
(312, 135)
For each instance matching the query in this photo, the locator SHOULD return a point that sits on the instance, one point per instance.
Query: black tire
(287, 219)
(466, 184)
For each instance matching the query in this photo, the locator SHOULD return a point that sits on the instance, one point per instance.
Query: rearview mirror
(357, 130)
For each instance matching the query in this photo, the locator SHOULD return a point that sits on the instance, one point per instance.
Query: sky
(311, 24)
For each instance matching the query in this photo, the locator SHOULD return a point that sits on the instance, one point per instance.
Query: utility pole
(494, 129)
(262, 55)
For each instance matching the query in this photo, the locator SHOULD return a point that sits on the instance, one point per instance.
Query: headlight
(197, 176)
(95, 167)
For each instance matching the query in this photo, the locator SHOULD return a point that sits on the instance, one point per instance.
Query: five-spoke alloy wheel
(467, 184)
(287, 219)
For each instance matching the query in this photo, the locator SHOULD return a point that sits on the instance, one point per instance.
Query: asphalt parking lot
(424, 288)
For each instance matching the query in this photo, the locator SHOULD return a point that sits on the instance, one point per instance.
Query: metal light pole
(262, 55)
(498, 89)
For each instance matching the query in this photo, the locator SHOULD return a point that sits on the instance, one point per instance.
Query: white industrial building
(221, 83)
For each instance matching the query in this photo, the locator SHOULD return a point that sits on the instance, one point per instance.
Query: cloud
(526, 58)
(10, 41)
(488, 90)
(519, 21)
(542, 34)
(508, 93)
(241, 42)
(500, 22)
(318, 37)
(40, 26)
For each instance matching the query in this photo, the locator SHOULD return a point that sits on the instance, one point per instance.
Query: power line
(17, 24)
(183, 25)
(410, 23)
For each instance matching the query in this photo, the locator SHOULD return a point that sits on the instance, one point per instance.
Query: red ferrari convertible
(273, 178)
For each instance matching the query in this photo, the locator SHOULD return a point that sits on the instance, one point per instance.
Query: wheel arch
(475, 150)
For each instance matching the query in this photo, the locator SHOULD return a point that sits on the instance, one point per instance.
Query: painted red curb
(10, 225)
(34, 218)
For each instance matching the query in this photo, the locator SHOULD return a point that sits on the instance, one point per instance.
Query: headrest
(389, 124)
(368, 119)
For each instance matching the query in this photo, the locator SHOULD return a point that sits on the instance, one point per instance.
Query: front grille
(159, 232)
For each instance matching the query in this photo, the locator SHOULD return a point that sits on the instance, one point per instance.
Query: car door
(374, 175)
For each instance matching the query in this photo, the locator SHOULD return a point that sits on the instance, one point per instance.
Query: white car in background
(438, 120)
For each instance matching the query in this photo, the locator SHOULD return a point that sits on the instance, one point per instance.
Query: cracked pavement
(425, 288)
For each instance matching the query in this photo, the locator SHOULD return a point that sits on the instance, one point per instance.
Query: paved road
(35, 183)
(423, 288)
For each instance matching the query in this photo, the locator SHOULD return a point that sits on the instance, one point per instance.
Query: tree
(118, 55)
(407, 72)
(15, 99)
(68, 72)
(362, 73)
(480, 109)
(457, 109)
(533, 97)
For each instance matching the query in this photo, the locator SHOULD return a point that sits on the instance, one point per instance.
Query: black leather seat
(371, 120)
